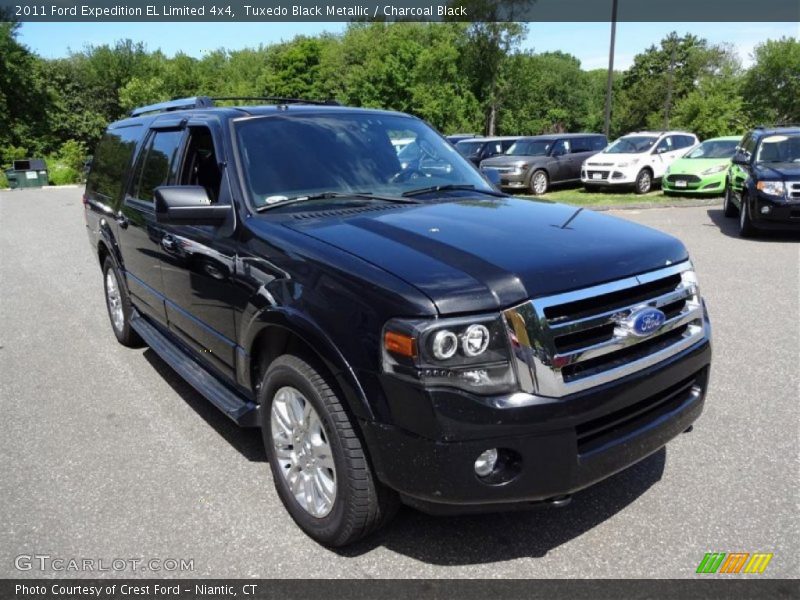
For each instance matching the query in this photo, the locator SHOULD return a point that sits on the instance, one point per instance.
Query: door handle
(122, 220)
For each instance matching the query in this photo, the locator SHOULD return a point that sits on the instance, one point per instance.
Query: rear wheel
(119, 306)
(644, 181)
(539, 183)
(319, 464)
(728, 207)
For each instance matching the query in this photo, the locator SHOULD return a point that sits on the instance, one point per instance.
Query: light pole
(610, 82)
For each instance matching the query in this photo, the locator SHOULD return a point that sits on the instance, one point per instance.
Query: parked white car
(639, 159)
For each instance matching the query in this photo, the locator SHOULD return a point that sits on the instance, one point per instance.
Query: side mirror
(740, 158)
(188, 205)
(492, 176)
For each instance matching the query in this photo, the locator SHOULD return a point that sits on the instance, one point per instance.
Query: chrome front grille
(793, 190)
(577, 340)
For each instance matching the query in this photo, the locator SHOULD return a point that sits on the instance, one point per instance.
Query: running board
(240, 410)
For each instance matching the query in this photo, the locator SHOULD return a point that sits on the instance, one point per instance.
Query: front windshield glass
(530, 148)
(290, 156)
(714, 149)
(469, 148)
(779, 148)
(632, 144)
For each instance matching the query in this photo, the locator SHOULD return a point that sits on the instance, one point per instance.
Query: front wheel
(746, 228)
(728, 207)
(319, 464)
(644, 181)
(539, 183)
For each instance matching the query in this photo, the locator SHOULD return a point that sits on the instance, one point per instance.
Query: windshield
(779, 148)
(632, 144)
(530, 148)
(469, 148)
(714, 149)
(289, 156)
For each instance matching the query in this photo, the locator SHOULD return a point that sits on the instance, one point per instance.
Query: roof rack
(207, 102)
(174, 104)
(278, 99)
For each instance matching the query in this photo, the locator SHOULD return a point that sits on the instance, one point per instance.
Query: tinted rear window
(112, 157)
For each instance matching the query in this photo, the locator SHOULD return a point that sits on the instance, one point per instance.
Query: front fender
(315, 338)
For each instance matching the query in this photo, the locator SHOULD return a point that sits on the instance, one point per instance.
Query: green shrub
(72, 154)
(3, 181)
(61, 174)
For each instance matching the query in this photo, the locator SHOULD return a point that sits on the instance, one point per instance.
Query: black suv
(763, 185)
(535, 163)
(397, 334)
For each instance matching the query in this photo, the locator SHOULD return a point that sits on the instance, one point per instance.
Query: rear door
(140, 237)
(560, 164)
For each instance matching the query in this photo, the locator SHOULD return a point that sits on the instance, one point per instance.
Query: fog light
(765, 210)
(486, 462)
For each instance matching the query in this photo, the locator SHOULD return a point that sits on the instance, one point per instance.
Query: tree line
(466, 77)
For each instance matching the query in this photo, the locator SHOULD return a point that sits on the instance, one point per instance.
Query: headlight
(466, 353)
(712, 170)
(522, 166)
(628, 163)
(771, 188)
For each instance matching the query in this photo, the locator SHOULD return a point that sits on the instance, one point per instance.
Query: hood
(478, 255)
(695, 166)
(616, 158)
(507, 160)
(782, 170)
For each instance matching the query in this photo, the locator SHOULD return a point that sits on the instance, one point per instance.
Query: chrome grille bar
(590, 320)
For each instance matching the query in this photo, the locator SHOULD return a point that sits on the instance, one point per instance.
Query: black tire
(644, 181)
(746, 228)
(122, 330)
(361, 504)
(538, 182)
(728, 207)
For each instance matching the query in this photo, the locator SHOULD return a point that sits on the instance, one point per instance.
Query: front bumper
(602, 176)
(563, 444)
(780, 215)
(714, 184)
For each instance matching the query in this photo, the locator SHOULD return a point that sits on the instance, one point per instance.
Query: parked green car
(703, 169)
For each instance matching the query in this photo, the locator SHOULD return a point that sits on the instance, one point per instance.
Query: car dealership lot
(108, 454)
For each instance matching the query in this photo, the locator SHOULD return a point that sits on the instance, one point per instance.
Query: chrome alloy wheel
(539, 183)
(303, 451)
(114, 299)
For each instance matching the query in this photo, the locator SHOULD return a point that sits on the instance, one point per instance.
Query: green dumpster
(27, 173)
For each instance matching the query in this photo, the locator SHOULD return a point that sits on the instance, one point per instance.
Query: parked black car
(479, 149)
(763, 185)
(535, 163)
(397, 335)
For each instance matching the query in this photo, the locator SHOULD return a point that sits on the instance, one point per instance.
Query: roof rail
(278, 99)
(175, 104)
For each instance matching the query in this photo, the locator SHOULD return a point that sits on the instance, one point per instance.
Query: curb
(693, 203)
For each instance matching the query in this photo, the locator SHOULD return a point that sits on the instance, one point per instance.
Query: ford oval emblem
(643, 321)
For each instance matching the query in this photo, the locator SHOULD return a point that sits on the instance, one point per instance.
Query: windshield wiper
(449, 187)
(336, 195)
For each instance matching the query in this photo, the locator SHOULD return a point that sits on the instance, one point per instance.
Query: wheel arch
(275, 333)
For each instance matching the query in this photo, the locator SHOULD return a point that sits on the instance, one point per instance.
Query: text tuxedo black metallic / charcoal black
(400, 331)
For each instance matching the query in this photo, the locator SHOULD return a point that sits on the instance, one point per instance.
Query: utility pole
(610, 83)
(670, 78)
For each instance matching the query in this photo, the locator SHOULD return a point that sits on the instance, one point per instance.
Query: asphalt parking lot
(107, 454)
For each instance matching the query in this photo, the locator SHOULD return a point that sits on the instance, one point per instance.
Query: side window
(201, 163)
(155, 162)
(665, 145)
(506, 144)
(560, 148)
(112, 157)
(749, 145)
(584, 144)
(687, 141)
(599, 143)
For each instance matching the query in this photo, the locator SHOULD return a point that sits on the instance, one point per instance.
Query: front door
(199, 265)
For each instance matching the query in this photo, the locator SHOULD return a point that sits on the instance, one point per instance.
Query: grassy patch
(580, 197)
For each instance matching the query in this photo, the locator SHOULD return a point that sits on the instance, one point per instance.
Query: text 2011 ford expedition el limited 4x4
(399, 334)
